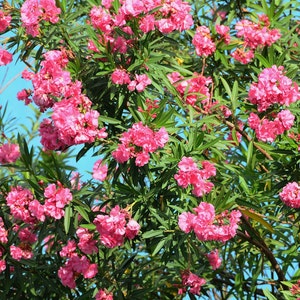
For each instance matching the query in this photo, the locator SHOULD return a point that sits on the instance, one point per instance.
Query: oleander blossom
(191, 282)
(35, 11)
(23, 206)
(76, 265)
(9, 153)
(192, 90)
(290, 195)
(208, 226)
(267, 130)
(104, 295)
(214, 259)
(190, 174)
(56, 198)
(5, 57)
(114, 227)
(204, 45)
(99, 170)
(138, 142)
(4, 21)
(257, 34)
(273, 87)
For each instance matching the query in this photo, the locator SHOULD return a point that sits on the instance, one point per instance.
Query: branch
(259, 242)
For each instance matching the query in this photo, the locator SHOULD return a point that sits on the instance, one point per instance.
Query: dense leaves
(192, 110)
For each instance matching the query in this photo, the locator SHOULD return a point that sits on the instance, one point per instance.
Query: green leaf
(67, 218)
(153, 233)
(268, 294)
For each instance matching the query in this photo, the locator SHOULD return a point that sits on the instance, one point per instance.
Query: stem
(259, 242)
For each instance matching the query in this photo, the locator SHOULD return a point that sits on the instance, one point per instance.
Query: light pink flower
(99, 170)
(9, 153)
(290, 195)
(214, 260)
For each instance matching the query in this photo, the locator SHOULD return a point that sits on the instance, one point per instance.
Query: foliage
(204, 110)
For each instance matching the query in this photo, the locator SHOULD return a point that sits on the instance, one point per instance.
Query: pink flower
(207, 226)
(243, 56)
(120, 76)
(4, 21)
(56, 199)
(5, 57)
(192, 282)
(257, 35)
(22, 252)
(138, 142)
(113, 228)
(140, 83)
(9, 153)
(273, 88)
(103, 295)
(3, 232)
(86, 242)
(223, 30)
(214, 260)
(190, 174)
(290, 195)
(147, 23)
(99, 170)
(202, 41)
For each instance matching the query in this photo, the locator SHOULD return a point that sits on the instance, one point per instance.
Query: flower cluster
(272, 88)
(99, 170)
(139, 83)
(103, 295)
(194, 89)
(290, 195)
(35, 11)
(57, 197)
(267, 130)
(255, 35)
(138, 142)
(214, 259)
(113, 228)
(190, 174)
(4, 21)
(203, 42)
(9, 153)
(191, 282)
(207, 225)
(5, 57)
(223, 31)
(75, 265)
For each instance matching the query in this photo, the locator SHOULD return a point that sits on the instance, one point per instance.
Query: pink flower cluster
(207, 225)
(272, 88)
(4, 21)
(204, 45)
(120, 76)
(57, 197)
(99, 170)
(5, 57)
(255, 35)
(194, 89)
(214, 259)
(138, 142)
(24, 207)
(290, 195)
(115, 226)
(103, 295)
(190, 174)
(35, 11)
(223, 31)
(9, 153)
(75, 265)
(191, 282)
(267, 130)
